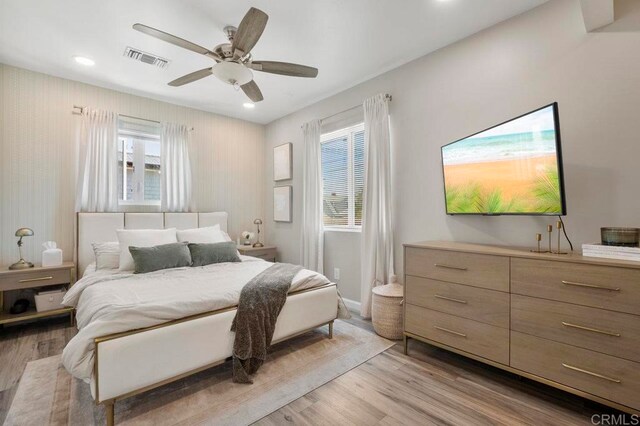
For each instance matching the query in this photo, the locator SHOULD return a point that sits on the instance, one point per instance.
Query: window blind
(335, 178)
(343, 177)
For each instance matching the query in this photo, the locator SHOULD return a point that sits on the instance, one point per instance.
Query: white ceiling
(349, 41)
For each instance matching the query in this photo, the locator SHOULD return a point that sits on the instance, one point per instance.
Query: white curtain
(312, 246)
(97, 162)
(175, 168)
(377, 234)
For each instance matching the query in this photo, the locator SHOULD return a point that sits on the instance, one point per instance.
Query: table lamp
(258, 222)
(22, 264)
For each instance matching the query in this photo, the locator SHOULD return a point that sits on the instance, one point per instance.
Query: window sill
(342, 229)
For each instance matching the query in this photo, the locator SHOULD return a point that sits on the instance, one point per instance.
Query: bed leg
(110, 412)
(406, 344)
(331, 330)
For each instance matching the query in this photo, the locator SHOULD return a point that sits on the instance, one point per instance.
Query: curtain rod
(79, 110)
(387, 96)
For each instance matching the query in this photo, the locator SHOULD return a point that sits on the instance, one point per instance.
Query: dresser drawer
(487, 306)
(467, 335)
(602, 375)
(607, 287)
(463, 268)
(30, 279)
(603, 331)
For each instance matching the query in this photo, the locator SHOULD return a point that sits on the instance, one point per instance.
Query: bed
(153, 347)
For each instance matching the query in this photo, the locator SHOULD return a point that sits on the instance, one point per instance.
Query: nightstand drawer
(467, 335)
(602, 375)
(34, 278)
(479, 304)
(266, 253)
(603, 331)
(605, 287)
(478, 270)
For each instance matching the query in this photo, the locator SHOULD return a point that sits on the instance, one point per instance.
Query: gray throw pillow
(207, 254)
(163, 256)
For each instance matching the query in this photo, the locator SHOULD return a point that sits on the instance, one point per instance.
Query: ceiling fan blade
(177, 41)
(284, 68)
(189, 78)
(249, 31)
(252, 90)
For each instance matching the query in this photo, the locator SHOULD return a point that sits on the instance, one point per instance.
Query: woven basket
(386, 310)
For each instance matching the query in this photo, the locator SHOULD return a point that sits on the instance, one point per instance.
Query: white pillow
(141, 238)
(208, 235)
(107, 255)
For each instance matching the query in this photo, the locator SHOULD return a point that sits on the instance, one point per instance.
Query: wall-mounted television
(514, 168)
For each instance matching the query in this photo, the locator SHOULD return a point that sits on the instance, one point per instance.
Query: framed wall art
(283, 162)
(282, 200)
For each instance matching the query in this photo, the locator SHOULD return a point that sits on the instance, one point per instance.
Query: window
(138, 163)
(343, 177)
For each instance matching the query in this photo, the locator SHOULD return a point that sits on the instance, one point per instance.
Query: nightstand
(267, 252)
(36, 277)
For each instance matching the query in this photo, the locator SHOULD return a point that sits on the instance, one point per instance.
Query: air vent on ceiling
(147, 58)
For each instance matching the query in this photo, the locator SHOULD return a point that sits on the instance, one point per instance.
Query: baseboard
(352, 305)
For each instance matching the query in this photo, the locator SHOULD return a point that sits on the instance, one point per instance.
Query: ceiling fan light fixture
(249, 105)
(232, 73)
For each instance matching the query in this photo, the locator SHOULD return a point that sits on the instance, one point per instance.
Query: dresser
(568, 321)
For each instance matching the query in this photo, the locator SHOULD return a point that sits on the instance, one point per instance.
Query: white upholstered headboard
(101, 227)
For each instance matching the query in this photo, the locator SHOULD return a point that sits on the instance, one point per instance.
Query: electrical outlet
(336, 274)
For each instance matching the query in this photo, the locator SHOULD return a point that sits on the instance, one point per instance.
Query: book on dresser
(569, 321)
(611, 252)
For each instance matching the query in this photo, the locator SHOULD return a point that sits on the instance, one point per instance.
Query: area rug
(48, 395)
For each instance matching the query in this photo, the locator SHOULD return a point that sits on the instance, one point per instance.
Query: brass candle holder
(539, 240)
(559, 226)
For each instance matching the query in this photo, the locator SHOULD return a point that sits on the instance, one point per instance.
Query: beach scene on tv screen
(511, 168)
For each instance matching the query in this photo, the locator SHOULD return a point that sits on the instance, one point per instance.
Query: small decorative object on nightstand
(36, 277)
(22, 264)
(246, 238)
(266, 252)
(258, 222)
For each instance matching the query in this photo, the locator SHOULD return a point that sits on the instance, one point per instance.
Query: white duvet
(110, 302)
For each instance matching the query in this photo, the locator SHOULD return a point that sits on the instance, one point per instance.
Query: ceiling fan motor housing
(224, 50)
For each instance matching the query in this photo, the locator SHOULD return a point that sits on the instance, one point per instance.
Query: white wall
(37, 179)
(529, 61)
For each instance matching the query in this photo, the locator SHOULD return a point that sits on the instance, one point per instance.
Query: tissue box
(50, 299)
(52, 257)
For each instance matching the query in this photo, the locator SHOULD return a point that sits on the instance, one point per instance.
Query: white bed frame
(132, 362)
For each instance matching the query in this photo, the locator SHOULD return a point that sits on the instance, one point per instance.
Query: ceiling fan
(233, 60)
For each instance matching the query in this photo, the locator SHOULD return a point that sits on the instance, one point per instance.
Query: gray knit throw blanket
(261, 301)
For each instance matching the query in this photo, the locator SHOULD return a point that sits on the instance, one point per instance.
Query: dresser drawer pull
(598, 287)
(446, 330)
(457, 268)
(450, 299)
(595, 330)
(591, 373)
(30, 280)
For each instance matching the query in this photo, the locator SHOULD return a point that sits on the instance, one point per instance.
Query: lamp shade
(24, 232)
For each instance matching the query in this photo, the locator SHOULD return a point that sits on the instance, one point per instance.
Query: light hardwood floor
(429, 387)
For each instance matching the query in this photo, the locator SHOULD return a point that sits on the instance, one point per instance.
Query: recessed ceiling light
(249, 105)
(84, 61)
